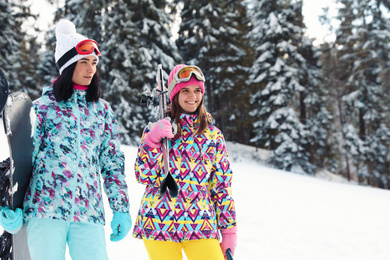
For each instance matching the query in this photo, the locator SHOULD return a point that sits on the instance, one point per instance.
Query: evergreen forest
(323, 106)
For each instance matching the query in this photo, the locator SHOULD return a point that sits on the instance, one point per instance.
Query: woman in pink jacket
(199, 163)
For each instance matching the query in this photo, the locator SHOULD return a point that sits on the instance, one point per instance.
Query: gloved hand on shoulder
(161, 129)
(11, 221)
(229, 240)
(120, 225)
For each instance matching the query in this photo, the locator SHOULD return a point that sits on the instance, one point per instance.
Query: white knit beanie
(67, 38)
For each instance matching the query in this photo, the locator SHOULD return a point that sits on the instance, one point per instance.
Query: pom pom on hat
(67, 38)
(65, 27)
(179, 86)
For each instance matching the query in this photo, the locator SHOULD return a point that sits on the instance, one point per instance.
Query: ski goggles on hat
(184, 75)
(85, 47)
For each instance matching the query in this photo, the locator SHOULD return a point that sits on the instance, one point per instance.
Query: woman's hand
(10, 220)
(161, 129)
(229, 240)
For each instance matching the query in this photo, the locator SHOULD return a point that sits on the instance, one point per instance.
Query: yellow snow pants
(202, 249)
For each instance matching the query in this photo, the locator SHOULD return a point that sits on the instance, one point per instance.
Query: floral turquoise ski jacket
(201, 168)
(75, 143)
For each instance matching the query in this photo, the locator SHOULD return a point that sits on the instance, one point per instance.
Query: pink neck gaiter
(79, 87)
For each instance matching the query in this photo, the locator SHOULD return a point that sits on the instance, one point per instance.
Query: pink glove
(229, 240)
(162, 128)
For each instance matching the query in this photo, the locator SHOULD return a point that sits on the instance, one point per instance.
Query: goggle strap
(171, 85)
(67, 56)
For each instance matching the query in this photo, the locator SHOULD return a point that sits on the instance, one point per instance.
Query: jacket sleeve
(221, 192)
(148, 163)
(112, 161)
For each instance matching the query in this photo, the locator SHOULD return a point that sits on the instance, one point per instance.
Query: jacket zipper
(78, 131)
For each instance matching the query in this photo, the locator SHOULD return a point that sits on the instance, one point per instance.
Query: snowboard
(19, 119)
(3, 90)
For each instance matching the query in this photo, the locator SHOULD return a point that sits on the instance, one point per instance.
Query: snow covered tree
(277, 78)
(315, 106)
(366, 120)
(137, 38)
(134, 37)
(18, 51)
(211, 36)
(47, 69)
(86, 15)
(337, 158)
(379, 29)
(336, 73)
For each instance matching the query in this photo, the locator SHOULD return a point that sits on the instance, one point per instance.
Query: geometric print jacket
(201, 168)
(76, 143)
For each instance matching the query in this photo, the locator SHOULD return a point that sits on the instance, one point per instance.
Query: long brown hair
(201, 111)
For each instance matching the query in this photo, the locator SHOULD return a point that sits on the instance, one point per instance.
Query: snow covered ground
(283, 215)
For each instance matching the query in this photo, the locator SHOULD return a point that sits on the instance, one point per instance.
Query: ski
(169, 182)
(158, 98)
(229, 255)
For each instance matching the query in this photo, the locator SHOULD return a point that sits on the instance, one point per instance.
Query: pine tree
(132, 52)
(9, 44)
(18, 51)
(85, 14)
(336, 159)
(277, 79)
(133, 37)
(337, 60)
(366, 125)
(212, 36)
(315, 109)
(47, 69)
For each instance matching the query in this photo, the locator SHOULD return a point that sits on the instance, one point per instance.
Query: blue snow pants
(47, 239)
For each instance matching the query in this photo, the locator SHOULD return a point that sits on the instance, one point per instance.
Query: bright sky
(46, 12)
(311, 10)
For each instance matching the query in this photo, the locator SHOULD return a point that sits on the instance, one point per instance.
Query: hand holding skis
(169, 182)
(161, 129)
(229, 241)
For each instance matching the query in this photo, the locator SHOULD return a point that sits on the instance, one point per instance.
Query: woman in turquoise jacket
(75, 141)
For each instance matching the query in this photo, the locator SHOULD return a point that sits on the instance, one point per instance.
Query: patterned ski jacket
(201, 168)
(75, 143)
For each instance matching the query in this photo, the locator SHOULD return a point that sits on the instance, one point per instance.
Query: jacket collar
(191, 119)
(188, 120)
(77, 94)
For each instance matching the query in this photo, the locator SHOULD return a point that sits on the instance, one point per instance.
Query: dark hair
(201, 111)
(63, 86)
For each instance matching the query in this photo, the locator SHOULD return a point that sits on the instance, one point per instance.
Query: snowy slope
(283, 215)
